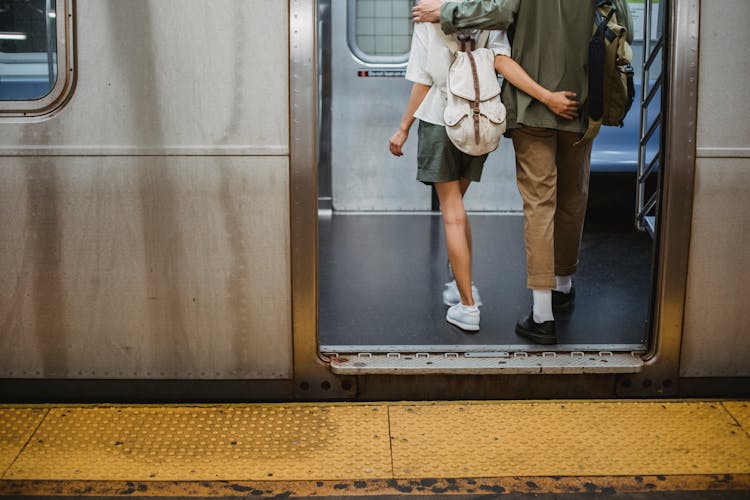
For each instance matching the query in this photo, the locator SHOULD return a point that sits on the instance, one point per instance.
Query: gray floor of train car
(381, 278)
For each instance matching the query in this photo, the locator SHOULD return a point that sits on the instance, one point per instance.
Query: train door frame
(660, 376)
(312, 377)
(675, 205)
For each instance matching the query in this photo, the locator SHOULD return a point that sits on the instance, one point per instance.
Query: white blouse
(429, 60)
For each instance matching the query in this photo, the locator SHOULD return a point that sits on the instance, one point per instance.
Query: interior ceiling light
(5, 35)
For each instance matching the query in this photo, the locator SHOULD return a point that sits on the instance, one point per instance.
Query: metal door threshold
(477, 348)
(478, 363)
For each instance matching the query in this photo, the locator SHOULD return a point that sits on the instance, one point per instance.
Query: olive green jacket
(550, 42)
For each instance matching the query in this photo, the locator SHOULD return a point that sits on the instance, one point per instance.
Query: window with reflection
(28, 49)
(382, 29)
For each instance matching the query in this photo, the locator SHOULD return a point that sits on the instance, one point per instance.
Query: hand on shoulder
(426, 11)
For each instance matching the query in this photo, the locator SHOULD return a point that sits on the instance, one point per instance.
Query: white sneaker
(451, 297)
(464, 317)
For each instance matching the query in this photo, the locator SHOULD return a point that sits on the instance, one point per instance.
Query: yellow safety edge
(308, 441)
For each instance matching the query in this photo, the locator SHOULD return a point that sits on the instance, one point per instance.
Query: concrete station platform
(509, 449)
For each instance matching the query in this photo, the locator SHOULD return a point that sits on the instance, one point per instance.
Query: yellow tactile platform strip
(740, 410)
(184, 443)
(16, 427)
(567, 439)
(298, 442)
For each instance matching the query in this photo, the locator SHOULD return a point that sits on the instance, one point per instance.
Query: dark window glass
(28, 49)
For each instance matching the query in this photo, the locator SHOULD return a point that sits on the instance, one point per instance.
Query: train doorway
(382, 259)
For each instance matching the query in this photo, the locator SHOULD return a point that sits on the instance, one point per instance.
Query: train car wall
(717, 313)
(145, 227)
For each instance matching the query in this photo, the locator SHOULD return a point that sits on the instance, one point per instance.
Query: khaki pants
(553, 179)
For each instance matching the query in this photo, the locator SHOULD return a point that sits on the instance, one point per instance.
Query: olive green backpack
(611, 88)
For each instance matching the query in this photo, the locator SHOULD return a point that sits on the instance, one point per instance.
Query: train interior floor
(382, 276)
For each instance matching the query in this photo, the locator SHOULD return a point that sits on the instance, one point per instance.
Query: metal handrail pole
(654, 89)
(648, 170)
(640, 187)
(651, 129)
(652, 56)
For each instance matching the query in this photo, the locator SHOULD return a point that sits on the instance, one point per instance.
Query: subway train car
(197, 204)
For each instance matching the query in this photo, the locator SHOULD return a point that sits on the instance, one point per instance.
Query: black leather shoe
(563, 302)
(540, 333)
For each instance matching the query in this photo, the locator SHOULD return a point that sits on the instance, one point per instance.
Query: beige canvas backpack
(474, 115)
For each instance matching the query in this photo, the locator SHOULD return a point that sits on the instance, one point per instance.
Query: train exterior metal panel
(171, 77)
(160, 228)
(133, 245)
(716, 304)
(716, 313)
(145, 267)
(724, 94)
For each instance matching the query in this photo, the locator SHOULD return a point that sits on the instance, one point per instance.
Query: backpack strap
(455, 43)
(483, 39)
(596, 72)
(470, 43)
(475, 104)
(467, 42)
(596, 67)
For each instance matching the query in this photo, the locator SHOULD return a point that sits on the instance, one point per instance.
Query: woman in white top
(441, 164)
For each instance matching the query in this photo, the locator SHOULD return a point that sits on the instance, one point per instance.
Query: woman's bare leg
(455, 222)
(464, 186)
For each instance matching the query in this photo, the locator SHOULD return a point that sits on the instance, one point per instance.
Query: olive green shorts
(438, 160)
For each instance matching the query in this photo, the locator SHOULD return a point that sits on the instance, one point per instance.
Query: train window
(34, 59)
(637, 12)
(379, 31)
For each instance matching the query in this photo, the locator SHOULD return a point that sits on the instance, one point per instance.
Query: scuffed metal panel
(171, 77)
(723, 93)
(145, 267)
(715, 341)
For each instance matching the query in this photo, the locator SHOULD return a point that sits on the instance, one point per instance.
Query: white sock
(564, 283)
(542, 305)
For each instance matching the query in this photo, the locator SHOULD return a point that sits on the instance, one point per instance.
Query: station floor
(505, 449)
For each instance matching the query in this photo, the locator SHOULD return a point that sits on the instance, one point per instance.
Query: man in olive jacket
(550, 42)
